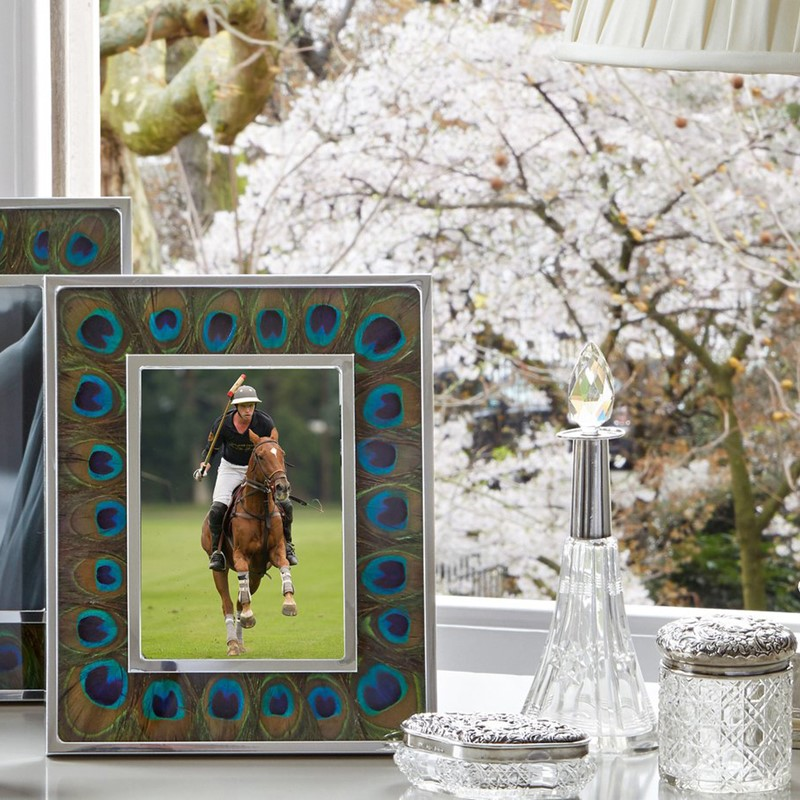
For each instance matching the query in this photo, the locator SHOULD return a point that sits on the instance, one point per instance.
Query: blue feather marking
(271, 328)
(100, 331)
(41, 246)
(388, 510)
(376, 456)
(2, 239)
(395, 625)
(278, 701)
(105, 463)
(96, 628)
(325, 702)
(10, 656)
(93, 397)
(322, 324)
(383, 407)
(378, 338)
(385, 575)
(218, 330)
(107, 575)
(380, 689)
(163, 700)
(110, 517)
(105, 683)
(81, 250)
(226, 700)
(166, 324)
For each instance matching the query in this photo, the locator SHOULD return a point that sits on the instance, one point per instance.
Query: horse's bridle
(268, 484)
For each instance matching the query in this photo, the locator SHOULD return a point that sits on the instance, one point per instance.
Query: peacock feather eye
(324, 702)
(381, 688)
(322, 324)
(376, 456)
(96, 628)
(163, 700)
(93, 397)
(385, 575)
(379, 338)
(40, 247)
(107, 575)
(100, 331)
(225, 700)
(388, 510)
(278, 701)
(105, 683)
(271, 328)
(105, 463)
(219, 329)
(383, 407)
(165, 324)
(110, 517)
(81, 250)
(10, 656)
(395, 625)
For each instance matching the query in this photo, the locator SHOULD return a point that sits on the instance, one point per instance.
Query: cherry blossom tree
(656, 213)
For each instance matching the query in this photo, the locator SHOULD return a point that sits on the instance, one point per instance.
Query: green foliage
(179, 406)
(711, 573)
(181, 610)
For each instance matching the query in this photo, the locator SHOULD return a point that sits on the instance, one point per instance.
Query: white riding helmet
(245, 394)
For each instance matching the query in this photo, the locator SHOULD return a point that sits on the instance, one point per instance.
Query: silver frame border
(345, 366)
(423, 284)
(35, 279)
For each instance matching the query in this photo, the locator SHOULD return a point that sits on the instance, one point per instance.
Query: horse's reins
(267, 487)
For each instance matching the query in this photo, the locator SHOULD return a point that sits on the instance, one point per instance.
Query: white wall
(25, 98)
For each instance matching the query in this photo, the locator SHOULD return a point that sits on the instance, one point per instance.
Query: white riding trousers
(229, 476)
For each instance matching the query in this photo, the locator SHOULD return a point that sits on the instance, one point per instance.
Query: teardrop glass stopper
(591, 389)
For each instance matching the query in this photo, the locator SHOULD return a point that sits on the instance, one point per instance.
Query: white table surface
(25, 771)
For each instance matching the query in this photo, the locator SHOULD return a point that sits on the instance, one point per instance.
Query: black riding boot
(215, 517)
(288, 516)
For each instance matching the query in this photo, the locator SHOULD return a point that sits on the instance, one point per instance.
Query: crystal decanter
(588, 676)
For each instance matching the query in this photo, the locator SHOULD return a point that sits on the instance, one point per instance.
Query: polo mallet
(200, 472)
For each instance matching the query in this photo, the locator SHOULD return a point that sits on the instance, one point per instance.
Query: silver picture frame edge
(346, 367)
(423, 285)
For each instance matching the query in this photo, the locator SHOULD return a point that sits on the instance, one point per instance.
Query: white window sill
(502, 636)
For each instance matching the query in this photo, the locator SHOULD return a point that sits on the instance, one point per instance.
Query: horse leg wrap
(239, 630)
(230, 627)
(287, 586)
(244, 588)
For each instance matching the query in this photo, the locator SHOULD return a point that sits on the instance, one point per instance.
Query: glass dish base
(514, 780)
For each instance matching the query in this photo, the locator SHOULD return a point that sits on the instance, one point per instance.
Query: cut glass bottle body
(588, 675)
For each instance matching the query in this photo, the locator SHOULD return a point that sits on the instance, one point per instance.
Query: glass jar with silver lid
(494, 756)
(725, 704)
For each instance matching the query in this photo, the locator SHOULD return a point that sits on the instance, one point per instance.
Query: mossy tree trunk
(149, 109)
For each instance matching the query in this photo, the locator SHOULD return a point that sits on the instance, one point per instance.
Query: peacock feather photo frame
(100, 331)
(38, 237)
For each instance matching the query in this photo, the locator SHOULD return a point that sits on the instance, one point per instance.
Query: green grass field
(181, 611)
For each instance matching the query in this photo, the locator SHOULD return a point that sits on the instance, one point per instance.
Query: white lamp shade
(727, 35)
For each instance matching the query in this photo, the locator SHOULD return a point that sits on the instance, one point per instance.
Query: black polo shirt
(236, 447)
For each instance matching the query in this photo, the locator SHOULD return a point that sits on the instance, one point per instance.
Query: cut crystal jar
(725, 704)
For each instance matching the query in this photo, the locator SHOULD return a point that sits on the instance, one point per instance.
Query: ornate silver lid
(494, 737)
(726, 644)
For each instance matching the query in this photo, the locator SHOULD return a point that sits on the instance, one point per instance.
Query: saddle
(230, 512)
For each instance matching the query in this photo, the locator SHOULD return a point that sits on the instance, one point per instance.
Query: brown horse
(256, 541)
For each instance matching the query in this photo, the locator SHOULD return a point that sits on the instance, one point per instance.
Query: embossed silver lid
(494, 737)
(726, 644)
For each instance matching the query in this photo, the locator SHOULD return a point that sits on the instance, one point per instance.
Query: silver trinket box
(725, 704)
(494, 756)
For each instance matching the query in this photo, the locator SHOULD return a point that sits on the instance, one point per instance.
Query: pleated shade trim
(725, 35)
